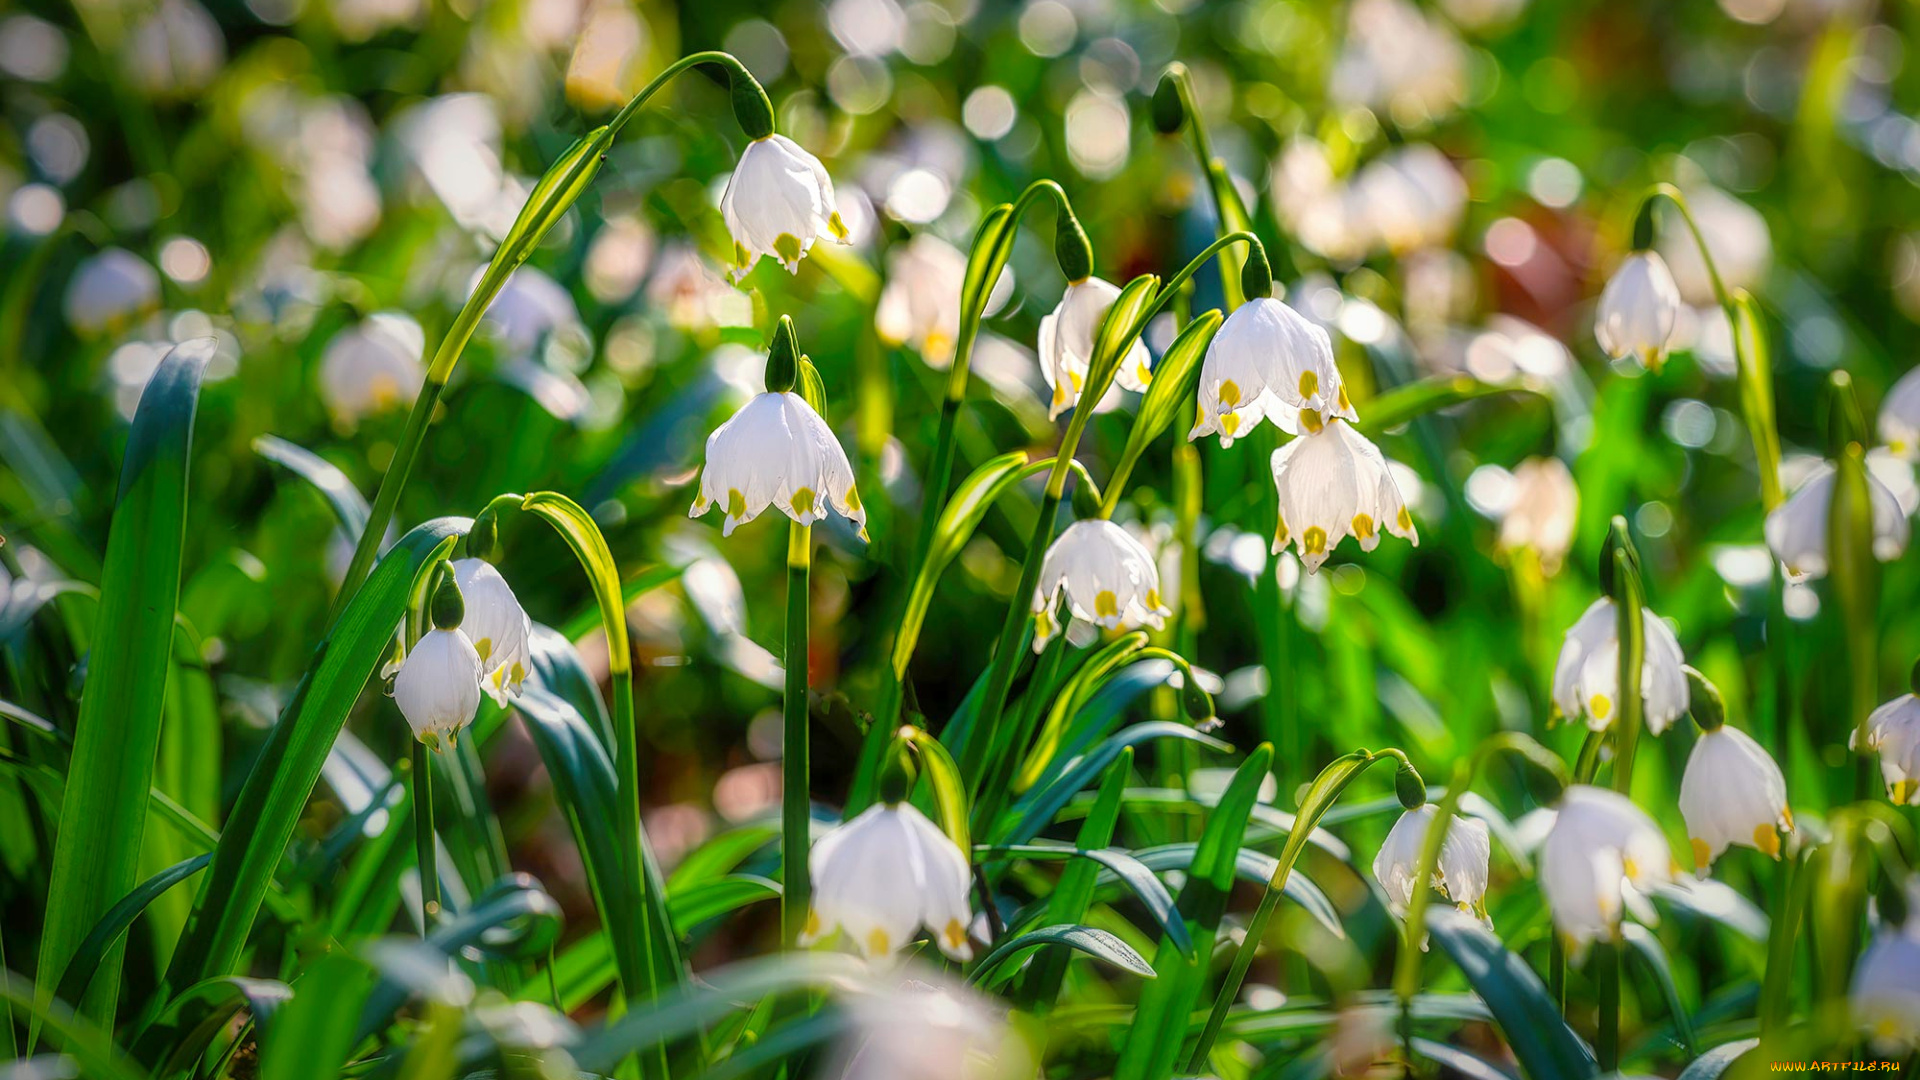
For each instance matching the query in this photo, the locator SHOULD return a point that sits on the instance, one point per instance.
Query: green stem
(423, 837)
(1232, 216)
(796, 819)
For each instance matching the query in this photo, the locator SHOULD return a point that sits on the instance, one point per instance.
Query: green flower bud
(1708, 709)
(1071, 248)
(1169, 112)
(1086, 499)
(1256, 277)
(448, 608)
(483, 539)
(1198, 704)
(1411, 790)
(750, 105)
(1618, 540)
(1643, 225)
(783, 357)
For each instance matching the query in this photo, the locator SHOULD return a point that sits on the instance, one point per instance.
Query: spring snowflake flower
(1460, 875)
(1638, 309)
(920, 305)
(1899, 421)
(920, 1026)
(109, 291)
(438, 687)
(1334, 483)
(1893, 732)
(1066, 344)
(1268, 361)
(1732, 793)
(1885, 996)
(1545, 509)
(883, 876)
(778, 202)
(1602, 853)
(1586, 680)
(1108, 576)
(372, 367)
(1797, 529)
(496, 625)
(776, 450)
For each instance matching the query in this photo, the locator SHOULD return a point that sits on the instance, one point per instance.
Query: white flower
(175, 51)
(110, 290)
(1334, 484)
(1900, 416)
(1732, 793)
(920, 305)
(531, 309)
(496, 625)
(1586, 681)
(1460, 875)
(1886, 986)
(1737, 236)
(1797, 528)
(372, 367)
(1893, 732)
(1601, 854)
(1066, 344)
(776, 450)
(1109, 578)
(778, 202)
(1413, 197)
(1638, 309)
(1543, 513)
(692, 295)
(883, 876)
(1268, 360)
(928, 1028)
(438, 687)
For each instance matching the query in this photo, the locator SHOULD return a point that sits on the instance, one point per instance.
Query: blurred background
(1444, 185)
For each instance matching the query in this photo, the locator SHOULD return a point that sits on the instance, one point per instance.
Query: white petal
(438, 687)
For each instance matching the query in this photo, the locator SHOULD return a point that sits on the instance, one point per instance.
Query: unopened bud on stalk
(1256, 277)
(783, 357)
(898, 773)
(1086, 499)
(1410, 788)
(1708, 709)
(1197, 703)
(1071, 248)
(483, 539)
(1169, 113)
(750, 105)
(448, 608)
(1643, 224)
(1845, 426)
(1617, 541)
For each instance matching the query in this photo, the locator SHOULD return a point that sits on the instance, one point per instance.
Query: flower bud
(1256, 277)
(783, 357)
(449, 610)
(483, 539)
(1198, 704)
(1411, 790)
(897, 773)
(1709, 711)
(750, 105)
(1618, 540)
(1643, 225)
(1071, 248)
(1086, 500)
(1169, 113)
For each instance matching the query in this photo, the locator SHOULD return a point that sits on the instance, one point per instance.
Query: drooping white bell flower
(776, 450)
(1267, 360)
(1413, 197)
(1586, 680)
(923, 1026)
(1893, 732)
(496, 625)
(1601, 855)
(438, 687)
(778, 202)
(1797, 528)
(1334, 483)
(692, 295)
(1638, 309)
(1732, 793)
(1543, 513)
(1899, 422)
(1461, 873)
(1885, 996)
(1066, 342)
(110, 290)
(1109, 579)
(920, 305)
(373, 366)
(883, 876)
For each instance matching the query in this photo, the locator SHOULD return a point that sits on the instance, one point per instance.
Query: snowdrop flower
(1601, 854)
(1334, 484)
(1413, 197)
(1732, 793)
(778, 202)
(692, 295)
(883, 876)
(1460, 875)
(1797, 529)
(1638, 309)
(372, 367)
(1886, 986)
(1900, 416)
(496, 625)
(1893, 732)
(109, 291)
(1542, 515)
(1267, 360)
(1066, 344)
(1108, 576)
(920, 305)
(776, 450)
(438, 686)
(926, 1028)
(1586, 680)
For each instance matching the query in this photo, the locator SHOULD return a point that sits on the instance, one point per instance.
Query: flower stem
(795, 815)
(423, 837)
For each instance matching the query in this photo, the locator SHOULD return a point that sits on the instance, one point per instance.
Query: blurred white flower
(1601, 855)
(1638, 309)
(496, 626)
(1797, 528)
(373, 366)
(778, 201)
(438, 686)
(1885, 996)
(1314, 204)
(1544, 510)
(1398, 61)
(1108, 577)
(1066, 342)
(1412, 197)
(1267, 361)
(694, 296)
(920, 305)
(883, 876)
(109, 290)
(1586, 680)
(776, 450)
(1893, 732)
(1732, 793)
(1900, 416)
(533, 310)
(358, 20)
(921, 1030)
(604, 70)
(618, 259)
(174, 51)
(1461, 873)
(453, 142)
(1334, 483)
(1737, 236)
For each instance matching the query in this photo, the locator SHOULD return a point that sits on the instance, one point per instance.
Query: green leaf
(957, 521)
(103, 817)
(1417, 399)
(1123, 867)
(1166, 397)
(949, 791)
(1649, 949)
(1095, 943)
(180, 1034)
(349, 506)
(1067, 702)
(723, 896)
(289, 764)
(1073, 893)
(1713, 1063)
(108, 933)
(578, 529)
(1039, 809)
(91, 1047)
(1118, 330)
(1522, 1008)
(314, 1032)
